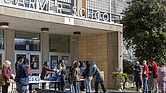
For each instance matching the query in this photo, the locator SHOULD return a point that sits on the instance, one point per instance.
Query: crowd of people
(79, 70)
(79, 76)
(153, 77)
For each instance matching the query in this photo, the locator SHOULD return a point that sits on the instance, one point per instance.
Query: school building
(50, 30)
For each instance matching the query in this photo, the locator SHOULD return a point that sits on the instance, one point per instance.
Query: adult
(45, 72)
(137, 76)
(155, 75)
(150, 78)
(22, 77)
(88, 76)
(63, 75)
(6, 75)
(162, 77)
(82, 70)
(145, 72)
(99, 79)
(76, 77)
(18, 62)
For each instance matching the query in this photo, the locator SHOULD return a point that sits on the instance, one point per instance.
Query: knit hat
(137, 62)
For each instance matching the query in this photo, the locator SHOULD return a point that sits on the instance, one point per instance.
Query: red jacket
(145, 71)
(6, 75)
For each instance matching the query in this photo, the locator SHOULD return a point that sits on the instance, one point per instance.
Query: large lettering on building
(59, 7)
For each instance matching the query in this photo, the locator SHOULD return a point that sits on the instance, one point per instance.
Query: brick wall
(94, 48)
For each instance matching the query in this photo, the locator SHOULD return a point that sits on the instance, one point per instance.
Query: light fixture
(77, 33)
(44, 29)
(4, 24)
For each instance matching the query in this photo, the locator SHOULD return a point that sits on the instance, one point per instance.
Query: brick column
(114, 56)
(45, 46)
(9, 47)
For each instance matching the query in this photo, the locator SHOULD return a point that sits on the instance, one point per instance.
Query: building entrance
(34, 60)
(55, 57)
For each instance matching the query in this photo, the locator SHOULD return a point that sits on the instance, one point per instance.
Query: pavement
(12, 89)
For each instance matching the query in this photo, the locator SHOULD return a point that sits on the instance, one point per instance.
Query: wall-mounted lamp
(4, 24)
(44, 29)
(77, 33)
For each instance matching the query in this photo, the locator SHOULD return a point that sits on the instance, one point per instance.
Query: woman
(6, 75)
(155, 75)
(137, 76)
(88, 76)
(99, 79)
(162, 77)
(76, 77)
(45, 73)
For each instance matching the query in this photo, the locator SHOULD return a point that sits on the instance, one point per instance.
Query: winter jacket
(76, 74)
(22, 72)
(162, 74)
(6, 75)
(137, 74)
(97, 73)
(145, 71)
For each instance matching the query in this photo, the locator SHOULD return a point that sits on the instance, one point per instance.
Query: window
(59, 43)
(1, 39)
(27, 41)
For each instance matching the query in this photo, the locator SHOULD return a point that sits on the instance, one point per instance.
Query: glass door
(34, 58)
(55, 57)
(2, 59)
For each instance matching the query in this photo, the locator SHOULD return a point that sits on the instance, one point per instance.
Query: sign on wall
(59, 6)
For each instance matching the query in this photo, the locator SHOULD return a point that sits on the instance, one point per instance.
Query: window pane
(59, 43)
(0, 61)
(1, 39)
(27, 41)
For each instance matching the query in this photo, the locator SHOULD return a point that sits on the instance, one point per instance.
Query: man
(145, 77)
(22, 77)
(137, 75)
(63, 75)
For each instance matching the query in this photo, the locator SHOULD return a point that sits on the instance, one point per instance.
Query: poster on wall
(54, 64)
(34, 61)
(66, 59)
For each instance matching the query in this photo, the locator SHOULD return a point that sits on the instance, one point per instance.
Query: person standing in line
(145, 72)
(150, 78)
(63, 75)
(137, 76)
(22, 77)
(88, 77)
(82, 70)
(18, 62)
(76, 77)
(6, 75)
(155, 75)
(45, 73)
(162, 77)
(99, 78)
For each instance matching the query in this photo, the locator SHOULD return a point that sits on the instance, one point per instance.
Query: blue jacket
(22, 72)
(99, 77)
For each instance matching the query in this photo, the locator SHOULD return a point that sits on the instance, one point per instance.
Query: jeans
(62, 82)
(88, 84)
(20, 88)
(145, 85)
(77, 86)
(4, 89)
(72, 88)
